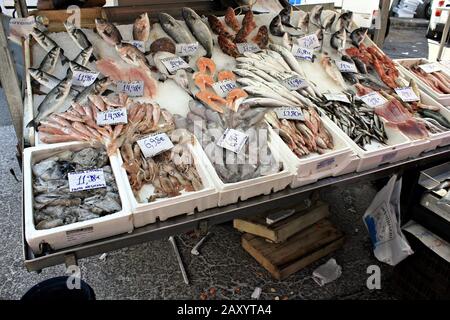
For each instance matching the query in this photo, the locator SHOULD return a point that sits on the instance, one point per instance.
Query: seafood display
(54, 205)
(436, 80)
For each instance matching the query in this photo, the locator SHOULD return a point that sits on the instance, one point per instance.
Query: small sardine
(141, 28)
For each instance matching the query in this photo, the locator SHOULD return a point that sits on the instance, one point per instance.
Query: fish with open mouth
(199, 29)
(344, 21)
(174, 29)
(52, 100)
(338, 39)
(48, 64)
(77, 35)
(357, 36)
(108, 31)
(141, 28)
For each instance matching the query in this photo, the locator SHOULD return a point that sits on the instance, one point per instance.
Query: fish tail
(64, 59)
(33, 124)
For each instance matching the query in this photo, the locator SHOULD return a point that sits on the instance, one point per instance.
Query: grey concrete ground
(223, 270)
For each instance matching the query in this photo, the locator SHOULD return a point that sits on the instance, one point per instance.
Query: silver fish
(303, 21)
(265, 102)
(141, 28)
(43, 40)
(174, 29)
(314, 15)
(344, 21)
(52, 101)
(338, 39)
(199, 29)
(98, 87)
(48, 64)
(357, 36)
(288, 57)
(48, 80)
(328, 21)
(77, 67)
(319, 34)
(108, 31)
(84, 56)
(77, 35)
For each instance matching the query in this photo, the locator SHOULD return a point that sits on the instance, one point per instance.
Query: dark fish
(275, 27)
(285, 15)
(344, 20)
(350, 77)
(436, 116)
(314, 15)
(360, 65)
(338, 39)
(357, 36)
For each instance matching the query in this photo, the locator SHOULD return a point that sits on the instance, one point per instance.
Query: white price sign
(290, 113)
(131, 88)
(84, 78)
(173, 64)
(22, 26)
(136, 43)
(431, 67)
(294, 83)
(112, 116)
(373, 99)
(232, 140)
(309, 42)
(86, 180)
(302, 53)
(445, 63)
(155, 144)
(247, 47)
(407, 94)
(186, 49)
(336, 97)
(224, 87)
(345, 66)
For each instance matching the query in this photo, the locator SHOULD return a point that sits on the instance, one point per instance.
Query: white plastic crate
(185, 203)
(311, 168)
(233, 192)
(444, 99)
(78, 232)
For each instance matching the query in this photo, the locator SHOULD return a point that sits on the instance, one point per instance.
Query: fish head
(69, 26)
(100, 25)
(315, 14)
(166, 20)
(188, 14)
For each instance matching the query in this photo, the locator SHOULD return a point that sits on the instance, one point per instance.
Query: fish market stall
(178, 120)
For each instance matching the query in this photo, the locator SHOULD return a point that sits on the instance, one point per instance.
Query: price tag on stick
(131, 88)
(345, 66)
(336, 97)
(86, 180)
(173, 64)
(431, 67)
(302, 53)
(224, 87)
(112, 116)
(186, 49)
(294, 83)
(407, 94)
(84, 78)
(155, 144)
(232, 140)
(136, 43)
(373, 99)
(289, 113)
(247, 47)
(309, 42)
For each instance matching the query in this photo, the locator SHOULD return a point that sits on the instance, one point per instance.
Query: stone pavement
(150, 270)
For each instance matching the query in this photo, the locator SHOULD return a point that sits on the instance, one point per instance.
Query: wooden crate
(282, 230)
(304, 248)
(56, 18)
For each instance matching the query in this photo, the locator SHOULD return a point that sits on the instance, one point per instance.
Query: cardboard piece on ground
(282, 230)
(284, 259)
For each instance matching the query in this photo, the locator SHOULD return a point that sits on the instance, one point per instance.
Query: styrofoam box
(186, 203)
(444, 99)
(311, 168)
(399, 147)
(231, 192)
(78, 232)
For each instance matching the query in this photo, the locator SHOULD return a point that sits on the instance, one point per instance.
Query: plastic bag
(327, 272)
(382, 220)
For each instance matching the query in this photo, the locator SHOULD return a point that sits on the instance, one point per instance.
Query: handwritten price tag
(112, 116)
(247, 47)
(173, 64)
(131, 88)
(345, 66)
(138, 44)
(232, 140)
(407, 94)
(22, 26)
(309, 42)
(155, 144)
(86, 180)
(290, 113)
(84, 78)
(294, 83)
(224, 87)
(445, 63)
(186, 49)
(373, 99)
(336, 97)
(302, 53)
(431, 67)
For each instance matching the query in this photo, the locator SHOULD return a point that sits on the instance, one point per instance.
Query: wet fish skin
(141, 28)
(357, 36)
(98, 87)
(361, 66)
(108, 31)
(132, 55)
(314, 15)
(174, 29)
(338, 39)
(275, 27)
(84, 56)
(303, 21)
(48, 64)
(199, 29)
(436, 116)
(47, 43)
(328, 21)
(44, 78)
(52, 101)
(77, 35)
(77, 67)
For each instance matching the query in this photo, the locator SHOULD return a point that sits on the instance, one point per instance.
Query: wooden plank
(11, 85)
(286, 228)
(384, 16)
(281, 260)
(56, 18)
